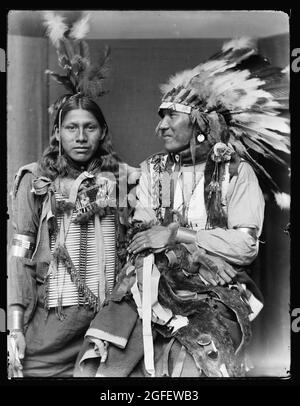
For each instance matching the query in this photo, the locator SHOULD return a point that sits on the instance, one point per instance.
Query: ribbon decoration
(147, 315)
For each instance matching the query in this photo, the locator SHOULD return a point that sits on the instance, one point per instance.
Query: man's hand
(16, 348)
(19, 338)
(157, 237)
(214, 270)
(100, 348)
(226, 273)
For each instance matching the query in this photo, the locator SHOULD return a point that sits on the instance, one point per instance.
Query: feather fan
(56, 27)
(81, 76)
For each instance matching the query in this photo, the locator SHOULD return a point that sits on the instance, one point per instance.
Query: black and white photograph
(148, 196)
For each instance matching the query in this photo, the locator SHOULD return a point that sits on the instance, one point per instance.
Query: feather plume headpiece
(238, 87)
(81, 76)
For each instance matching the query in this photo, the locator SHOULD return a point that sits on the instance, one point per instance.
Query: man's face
(80, 135)
(175, 130)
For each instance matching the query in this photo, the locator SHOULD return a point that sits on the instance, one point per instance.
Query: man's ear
(56, 133)
(103, 134)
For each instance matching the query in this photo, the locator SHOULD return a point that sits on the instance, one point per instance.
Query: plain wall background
(138, 67)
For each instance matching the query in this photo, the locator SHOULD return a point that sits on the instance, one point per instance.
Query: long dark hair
(52, 165)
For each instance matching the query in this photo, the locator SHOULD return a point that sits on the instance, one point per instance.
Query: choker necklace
(184, 157)
(75, 168)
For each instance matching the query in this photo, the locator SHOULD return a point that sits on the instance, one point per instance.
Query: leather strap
(172, 258)
(179, 363)
(147, 315)
(137, 298)
(101, 260)
(165, 371)
(160, 314)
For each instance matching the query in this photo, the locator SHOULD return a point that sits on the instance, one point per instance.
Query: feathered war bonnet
(240, 103)
(81, 76)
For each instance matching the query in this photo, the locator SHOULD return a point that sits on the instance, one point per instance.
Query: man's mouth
(81, 149)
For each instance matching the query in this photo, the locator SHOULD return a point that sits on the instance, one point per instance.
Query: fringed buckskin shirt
(242, 200)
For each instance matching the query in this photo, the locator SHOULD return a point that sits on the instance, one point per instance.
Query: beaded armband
(22, 246)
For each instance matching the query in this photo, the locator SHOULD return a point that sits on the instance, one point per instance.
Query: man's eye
(70, 128)
(91, 128)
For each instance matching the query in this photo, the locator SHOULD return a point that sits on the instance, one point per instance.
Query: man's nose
(164, 123)
(81, 136)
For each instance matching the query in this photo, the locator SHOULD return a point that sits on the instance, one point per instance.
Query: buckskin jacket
(35, 206)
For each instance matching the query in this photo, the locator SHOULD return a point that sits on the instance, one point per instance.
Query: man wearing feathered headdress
(186, 291)
(66, 214)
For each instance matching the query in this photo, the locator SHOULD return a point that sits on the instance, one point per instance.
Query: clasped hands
(160, 237)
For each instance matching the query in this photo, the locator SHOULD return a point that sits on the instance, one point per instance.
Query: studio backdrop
(139, 66)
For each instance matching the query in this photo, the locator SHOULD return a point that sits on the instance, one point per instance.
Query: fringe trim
(45, 296)
(216, 216)
(61, 254)
(59, 311)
